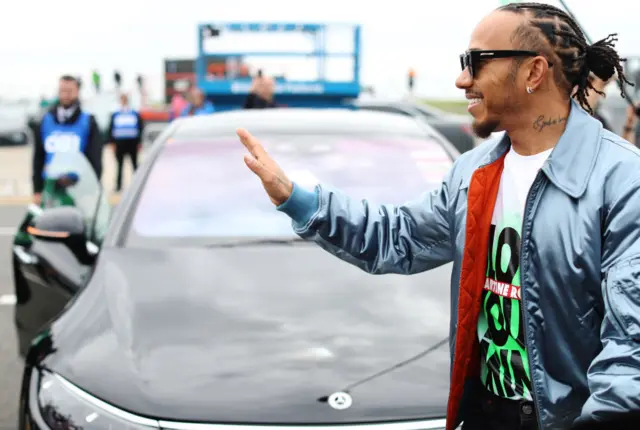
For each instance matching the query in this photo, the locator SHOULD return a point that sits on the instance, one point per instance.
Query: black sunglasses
(472, 59)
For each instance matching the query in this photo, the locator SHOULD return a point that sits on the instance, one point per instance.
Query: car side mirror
(65, 225)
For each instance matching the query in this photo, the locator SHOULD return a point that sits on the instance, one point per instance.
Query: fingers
(253, 164)
(275, 187)
(267, 176)
(258, 168)
(251, 143)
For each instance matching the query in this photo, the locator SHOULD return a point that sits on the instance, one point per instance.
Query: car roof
(405, 103)
(304, 120)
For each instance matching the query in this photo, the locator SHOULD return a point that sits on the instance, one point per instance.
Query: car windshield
(200, 190)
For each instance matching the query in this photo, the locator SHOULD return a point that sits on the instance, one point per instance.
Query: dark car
(455, 127)
(195, 306)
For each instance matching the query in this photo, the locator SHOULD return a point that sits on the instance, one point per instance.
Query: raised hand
(274, 181)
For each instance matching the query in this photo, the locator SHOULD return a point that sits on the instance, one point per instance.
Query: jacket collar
(573, 158)
(77, 110)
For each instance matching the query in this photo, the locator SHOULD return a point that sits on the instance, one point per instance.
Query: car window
(71, 181)
(201, 190)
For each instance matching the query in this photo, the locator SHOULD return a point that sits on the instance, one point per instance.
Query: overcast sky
(43, 39)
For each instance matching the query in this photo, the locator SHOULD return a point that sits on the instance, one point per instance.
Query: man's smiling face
(493, 91)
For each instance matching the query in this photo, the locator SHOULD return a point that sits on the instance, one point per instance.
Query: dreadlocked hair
(564, 43)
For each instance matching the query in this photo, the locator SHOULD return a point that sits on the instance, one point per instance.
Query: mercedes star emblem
(340, 400)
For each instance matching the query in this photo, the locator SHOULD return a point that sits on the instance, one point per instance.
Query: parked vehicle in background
(455, 127)
(14, 127)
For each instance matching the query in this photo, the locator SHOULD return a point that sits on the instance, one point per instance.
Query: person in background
(117, 77)
(178, 104)
(65, 127)
(411, 79)
(44, 102)
(631, 130)
(595, 95)
(261, 94)
(96, 81)
(125, 136)
(198, 105)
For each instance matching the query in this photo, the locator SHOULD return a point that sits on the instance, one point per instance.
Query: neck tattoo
(542, 122)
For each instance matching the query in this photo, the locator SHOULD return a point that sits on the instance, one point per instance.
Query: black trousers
(125, 148)
(485, 411)
(489, 412)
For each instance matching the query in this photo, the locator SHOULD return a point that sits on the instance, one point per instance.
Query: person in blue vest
(64, 128)
(125, 136)
(198, 104)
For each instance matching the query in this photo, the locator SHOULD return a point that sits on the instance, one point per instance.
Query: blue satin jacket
(579, 264)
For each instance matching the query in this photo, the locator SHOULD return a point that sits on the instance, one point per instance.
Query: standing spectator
(96, 81)
(261, 94)
(118, 79)
(178, 104)
(198, 104)
(66, 127)
(412, 79)
(594, 97)
(142, 90)
(125, 136)
(631, 130)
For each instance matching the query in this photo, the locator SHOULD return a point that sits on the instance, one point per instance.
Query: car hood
(256, 334)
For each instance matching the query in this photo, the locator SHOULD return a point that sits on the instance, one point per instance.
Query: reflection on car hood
(255, 335)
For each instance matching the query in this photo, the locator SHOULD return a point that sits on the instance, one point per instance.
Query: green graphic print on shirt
(505, 365)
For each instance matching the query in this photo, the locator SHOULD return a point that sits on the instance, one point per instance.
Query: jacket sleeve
(95, 147)
(38, 160)
(614, 375)
(405, 239)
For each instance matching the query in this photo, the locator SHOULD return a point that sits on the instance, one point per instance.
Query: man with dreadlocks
(542, 226)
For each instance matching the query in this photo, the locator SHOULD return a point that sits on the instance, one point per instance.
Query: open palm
(274, 180)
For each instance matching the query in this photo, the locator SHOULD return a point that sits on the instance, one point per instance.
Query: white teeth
(474, 101)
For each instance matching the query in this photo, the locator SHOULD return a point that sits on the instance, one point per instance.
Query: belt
(524, 409)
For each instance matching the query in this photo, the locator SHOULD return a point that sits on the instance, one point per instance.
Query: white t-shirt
(504, 363)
